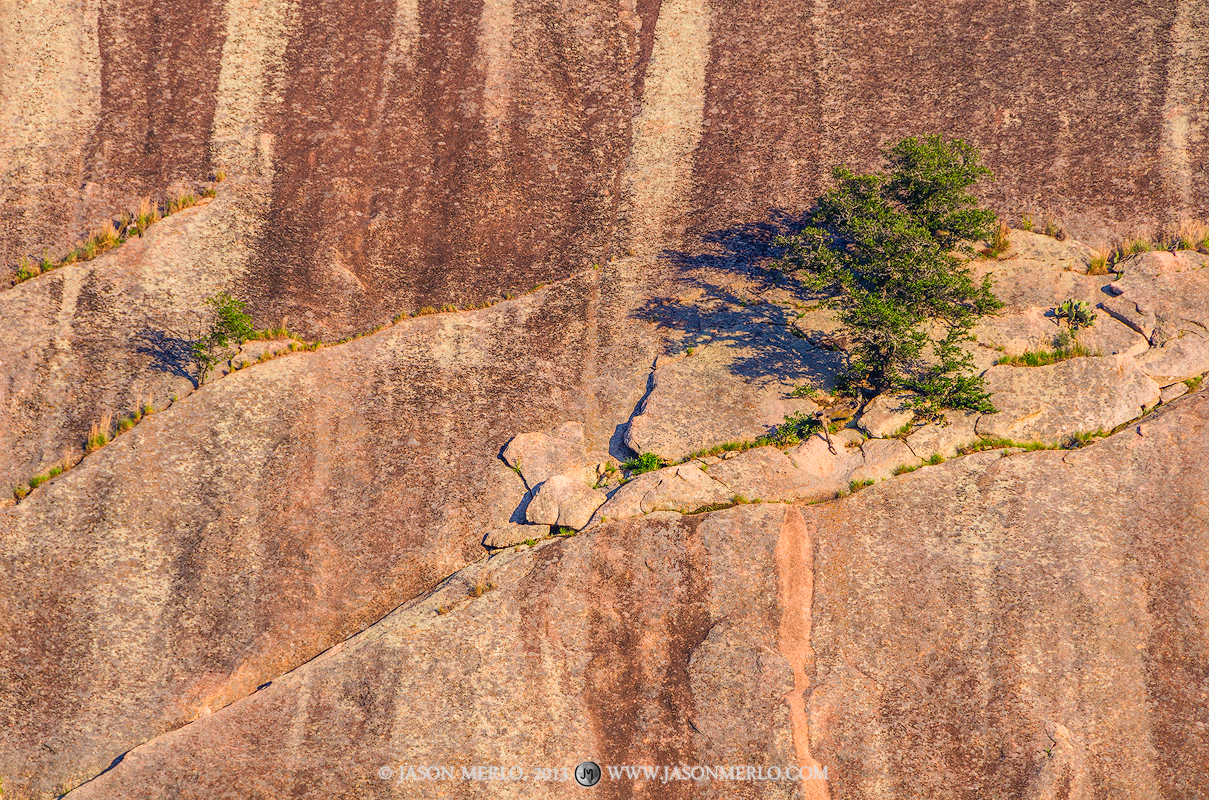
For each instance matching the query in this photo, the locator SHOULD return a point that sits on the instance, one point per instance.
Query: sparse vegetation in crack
(112, 235)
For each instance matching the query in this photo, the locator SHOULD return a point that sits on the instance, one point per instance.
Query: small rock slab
(885, 415)
(1050, 403)
(560, 451)
(683, 488)
(727, 391)
(1172, 287)
(1173, 391)
(1178, 359)
(959, 430)
(808, 471)
(882, 458)
(511, 534)
(564, 501)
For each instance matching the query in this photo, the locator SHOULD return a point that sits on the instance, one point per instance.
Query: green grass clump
(1098, 264)
(1194, 383)
(993, 443)
(934, 459)
(1082, 438)
(563, 531)
(647, 462)
(903, 469)
(1042, 358)
(854, 486)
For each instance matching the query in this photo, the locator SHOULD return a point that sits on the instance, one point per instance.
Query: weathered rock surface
(1170, 393)
(1080, 395)
(1038, 273)
(94, 341)
(937, 635)
(880, 458)
(443, 176)
(563, 501)
(1171, 289)
(885, 415)
(683, 488)
(539, 456)
(959, 430)
(279, 510)
(734, 389)
(1176, 359)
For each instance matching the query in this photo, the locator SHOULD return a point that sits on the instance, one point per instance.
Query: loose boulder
(563, 501)
(560, 451)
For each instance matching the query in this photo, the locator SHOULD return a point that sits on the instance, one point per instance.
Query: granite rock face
(1080, 395)
(445, 158)
(277, 511)
(941, 634)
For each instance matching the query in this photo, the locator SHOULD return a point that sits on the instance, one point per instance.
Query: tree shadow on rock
(168, 353)
(733, 268)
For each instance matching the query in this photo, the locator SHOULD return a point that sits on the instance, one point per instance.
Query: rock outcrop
(277, 511)
(1082, 395)
(1029, 626)
(736, 388)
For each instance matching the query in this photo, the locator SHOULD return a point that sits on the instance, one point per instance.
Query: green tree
(891, 251)
(220, 333)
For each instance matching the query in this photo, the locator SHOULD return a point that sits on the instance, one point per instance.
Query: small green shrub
(855, 486)
(1026, 223)
(934, 459)
(646, 462)
(37, 481)
(218, 338)
(796, 428)
(1194, 383)
(55, 472)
